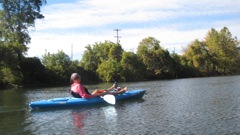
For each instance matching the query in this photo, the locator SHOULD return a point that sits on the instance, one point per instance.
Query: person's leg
(122, 90)
(119, 92)
(98, 92)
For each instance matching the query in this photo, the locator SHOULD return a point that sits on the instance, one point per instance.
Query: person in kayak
(77, 90)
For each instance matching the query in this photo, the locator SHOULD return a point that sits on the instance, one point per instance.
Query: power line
(117, 35)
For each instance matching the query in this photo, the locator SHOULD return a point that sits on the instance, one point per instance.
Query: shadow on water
(11, 109)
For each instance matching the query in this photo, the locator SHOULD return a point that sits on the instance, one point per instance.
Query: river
(180, 106)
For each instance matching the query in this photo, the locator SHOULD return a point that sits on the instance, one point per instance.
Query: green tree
(196, 54)
(115, 52)
(133, 68)
(98, 57)
(218, 53)
(16, 16)
(58, 63)
(99, 52)
(223, 48)
(197, 58)
(110, 70)
(157, 60)
(180, 66)
(60, 67)
(89, 59)
(34, 72)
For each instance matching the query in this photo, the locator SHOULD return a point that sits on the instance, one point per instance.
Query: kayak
(80, 102)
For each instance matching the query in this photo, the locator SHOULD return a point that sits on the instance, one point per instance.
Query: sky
(70, 25)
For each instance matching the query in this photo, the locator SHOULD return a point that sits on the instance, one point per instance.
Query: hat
(75, 76)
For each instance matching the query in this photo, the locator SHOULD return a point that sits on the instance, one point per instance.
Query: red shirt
(78, 88)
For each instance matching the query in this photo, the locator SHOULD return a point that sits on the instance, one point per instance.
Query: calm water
(182, 106)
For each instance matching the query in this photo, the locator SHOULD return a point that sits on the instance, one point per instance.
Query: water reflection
(78, 118)
(12, 111)
(110, 114)
(182, 106)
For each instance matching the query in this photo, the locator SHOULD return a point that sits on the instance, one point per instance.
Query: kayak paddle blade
(110, 99)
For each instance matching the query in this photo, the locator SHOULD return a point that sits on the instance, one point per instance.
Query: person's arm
(110, 88)
(83, 94)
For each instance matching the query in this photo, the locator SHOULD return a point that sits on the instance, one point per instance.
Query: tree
(223, 48)
(109, 70)
(196, 54)
(133, 68)
(98, 57)
(58, 63)
(34, 72)
(180, 66)
(158, 61)
(16, 16)
(60, 67)
(99, 52)
(93, 56)
(115, 52)
(198, 59)
(218, 53)
(15, 19)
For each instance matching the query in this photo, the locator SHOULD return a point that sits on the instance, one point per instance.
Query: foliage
(223, 48)
(34, 72)
(109, 70)
(94, 56)
(16, 16)
(98, 57)
(58, 64)
(218, 53)
(158, 62)
(15, 19)
(133, 68)
(60, 67)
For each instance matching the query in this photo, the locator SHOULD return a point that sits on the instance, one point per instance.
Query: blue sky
(175, 23)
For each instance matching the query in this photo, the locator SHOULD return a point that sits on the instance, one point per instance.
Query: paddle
(109, 99)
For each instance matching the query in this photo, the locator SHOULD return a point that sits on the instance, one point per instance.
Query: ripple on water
(182, 106)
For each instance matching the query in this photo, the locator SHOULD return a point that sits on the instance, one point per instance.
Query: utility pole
(117, 35)
(72, 51)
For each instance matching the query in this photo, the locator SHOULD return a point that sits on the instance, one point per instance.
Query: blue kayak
(79, 102)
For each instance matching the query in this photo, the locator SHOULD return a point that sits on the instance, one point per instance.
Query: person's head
(74, 77)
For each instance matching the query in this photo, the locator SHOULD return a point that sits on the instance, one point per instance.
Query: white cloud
(175, 23)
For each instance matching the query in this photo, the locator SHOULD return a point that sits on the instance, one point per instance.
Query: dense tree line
(16, 16)
(216, 54)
